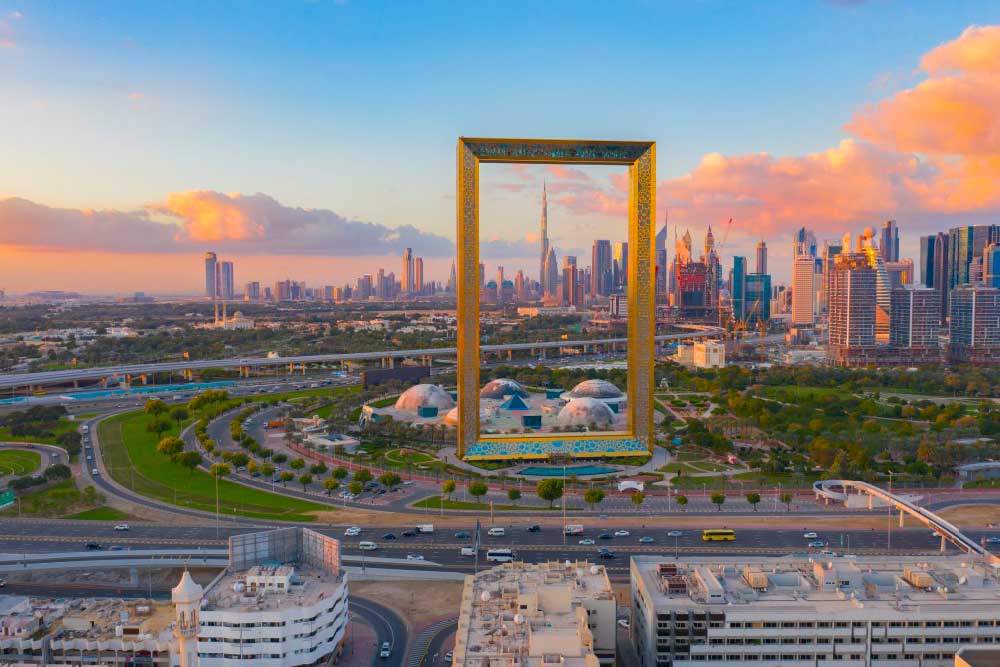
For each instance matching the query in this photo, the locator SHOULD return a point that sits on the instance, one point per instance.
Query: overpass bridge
(69, 375)
(949, 532)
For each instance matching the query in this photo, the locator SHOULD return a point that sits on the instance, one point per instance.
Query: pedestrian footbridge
(839, 490)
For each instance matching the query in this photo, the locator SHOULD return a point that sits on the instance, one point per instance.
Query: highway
(75, 374)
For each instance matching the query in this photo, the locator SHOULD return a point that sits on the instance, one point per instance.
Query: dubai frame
(640, 157)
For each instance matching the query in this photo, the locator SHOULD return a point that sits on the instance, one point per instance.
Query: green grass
(18, 462)
(786, 479)
(434, 502)
(678, 467)
(982, 484)
(410, 457)
(100, 514)
(56, 501)
(62, 426)
(126, 444)
(795, 392)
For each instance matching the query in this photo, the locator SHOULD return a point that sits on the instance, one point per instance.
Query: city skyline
(908, 139)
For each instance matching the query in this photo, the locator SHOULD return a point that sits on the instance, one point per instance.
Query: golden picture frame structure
(640, 158)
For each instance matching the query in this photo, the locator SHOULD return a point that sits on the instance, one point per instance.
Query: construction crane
(725, 237)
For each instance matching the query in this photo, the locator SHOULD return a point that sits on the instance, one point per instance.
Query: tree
(318, 468)
(297, 464)
(305, 479)
(478, 489)
(179, 414)
(718, 499)
(364, 476)
(220, 470)
(158, 425)
(593, 497)
(390, 479)
(285, 477)
(513, 495)
(355, 487)
(240, 459)
(155, 407)
(682, 501)
(279, 457)
(267, 470)
(786, 498)
(754, 500)
(170, 446)
(550, 489)
(448, 488)
(189, 460)
(253, 467)
(638, 498)
(340, 472)
(330, 484)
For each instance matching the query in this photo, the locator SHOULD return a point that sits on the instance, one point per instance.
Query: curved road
(388, 627)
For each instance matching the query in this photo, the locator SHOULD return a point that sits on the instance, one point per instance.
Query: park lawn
(410, 457)
(434, 502)
(679, 467)
(130, 454)
(982, 484)
(56, 501)
(796, 392)
(62, 426)
(18, 462)
(786, 479)
(100, 514)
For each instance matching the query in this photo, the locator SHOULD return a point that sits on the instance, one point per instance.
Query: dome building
(584, 412)
(600, 390)
(501, 388)
(423, 396)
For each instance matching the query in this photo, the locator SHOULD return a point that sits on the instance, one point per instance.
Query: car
(623, 622)
(449, 656)
(621, 532)
(93, 546)
(817, 544)
(674, 533)
(121, 526)
(496, 531)
(409, 533)
(365, 545)
(385, 651)
(993, 539)
(95, 471)
(646, 539)
(353, 531)
(587, 541)
(606, 553)
(828, 552)
(461, 535)
(534, 528)
(389, 536)
(3, 583)
(604, 536)
(116, 548)
(810, 535)
(414, 557)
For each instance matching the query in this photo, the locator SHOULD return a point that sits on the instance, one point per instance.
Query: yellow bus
(718, 534)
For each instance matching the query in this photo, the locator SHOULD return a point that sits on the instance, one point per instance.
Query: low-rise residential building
(811, 611)
(537, 614)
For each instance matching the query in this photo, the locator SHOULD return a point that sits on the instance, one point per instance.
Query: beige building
(536, 615)
(804, 291)
(702, 354)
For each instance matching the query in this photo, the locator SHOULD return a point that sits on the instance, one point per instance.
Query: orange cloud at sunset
(212, 216)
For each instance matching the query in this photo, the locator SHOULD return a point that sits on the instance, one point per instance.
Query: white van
(499, 555)
(425, 528)
(365, 545)
(573, 529)
(468, 551)
(496, 531)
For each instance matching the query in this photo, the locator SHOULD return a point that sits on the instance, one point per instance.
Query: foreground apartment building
(806, 612)
(537, 615)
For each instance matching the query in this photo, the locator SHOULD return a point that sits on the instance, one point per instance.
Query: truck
(425, 528)
(573, 529)
(468, 551)
(84, 428)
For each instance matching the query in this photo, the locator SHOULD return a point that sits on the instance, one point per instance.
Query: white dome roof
(596, 389)
(502, 387)
(423, 396)
(584, 411)
(187, 589)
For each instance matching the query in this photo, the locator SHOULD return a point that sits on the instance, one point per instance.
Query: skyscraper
(600, 268)
(660, 254)
(570, 282)
(991, 265)
(418, 275)
(914, 318)
(757, 298)
(226, 280)
(619, 265)
(408, 279)
(934, 267)
(211, 277)
(761, 257)
(551, 273)
(852, 309)
(804, 243)
(544, 240)
(738, 287)
(889, 242)
(974, 324)
(966, 244)
(803, 290)
(452, 279)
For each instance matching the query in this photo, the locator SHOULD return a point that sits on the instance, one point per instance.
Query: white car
(587, 541)
(622, 533)
(674, 533)
(353, 531)
(95, 471)
(496, 531)
(623, 622)
(810, 535)
(817, 544)
(121, 526)
(385, 651)
(414, 557)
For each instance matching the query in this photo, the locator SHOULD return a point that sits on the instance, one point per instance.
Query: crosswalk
(418, 650)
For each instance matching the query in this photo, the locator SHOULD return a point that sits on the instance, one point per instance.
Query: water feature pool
(150, 389)
(559, 471)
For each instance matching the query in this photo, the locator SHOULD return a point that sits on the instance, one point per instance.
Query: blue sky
(355, 106)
